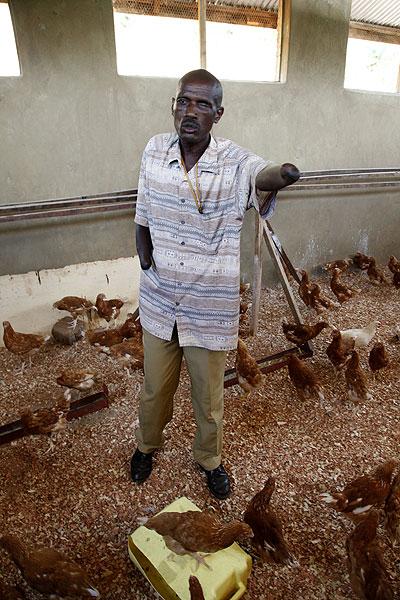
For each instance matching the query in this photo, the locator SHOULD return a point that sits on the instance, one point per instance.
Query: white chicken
(362, 336)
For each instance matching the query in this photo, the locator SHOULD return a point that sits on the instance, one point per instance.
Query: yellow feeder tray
(169, 573)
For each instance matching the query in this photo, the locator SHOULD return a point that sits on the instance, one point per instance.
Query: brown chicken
(78, 379)
(341, 291)
(300, 334)
(105, 337)
(129, 352)
(341, 264)
(304, 380)
(396, 279)
(108, 309)
(243, 310)
(247, 370)
(361, 261)
(196, 531)
(49, 571)
(339, 350)
(267, 527)
(359, 496)
(7, 592)
(195, 589)
(47, 421)
(368, 576)
(355, 379)
(22, 343)
(394, 264)
(131, 327)
(392, 512)
(375, 274)
(311, 295)
(378, 358)
(75, 306)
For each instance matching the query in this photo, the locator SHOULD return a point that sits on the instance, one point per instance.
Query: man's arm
(144, 246)
(276, 177)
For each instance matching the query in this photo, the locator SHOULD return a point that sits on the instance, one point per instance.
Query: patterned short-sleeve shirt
(195, 278)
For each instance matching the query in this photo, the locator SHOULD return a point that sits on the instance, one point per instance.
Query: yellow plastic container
(169, 573)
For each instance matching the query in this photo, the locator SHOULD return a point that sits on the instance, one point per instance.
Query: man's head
(197, 106)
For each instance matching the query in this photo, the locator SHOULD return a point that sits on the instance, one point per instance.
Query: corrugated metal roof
(271, 5)
(378, 12)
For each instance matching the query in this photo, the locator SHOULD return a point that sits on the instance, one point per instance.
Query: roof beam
(374, 33)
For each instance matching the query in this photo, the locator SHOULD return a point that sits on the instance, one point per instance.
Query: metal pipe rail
(334, 179)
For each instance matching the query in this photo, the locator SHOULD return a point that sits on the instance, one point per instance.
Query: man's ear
(172, 105)
(220, 112)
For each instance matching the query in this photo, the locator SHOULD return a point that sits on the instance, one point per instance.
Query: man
(193, 192)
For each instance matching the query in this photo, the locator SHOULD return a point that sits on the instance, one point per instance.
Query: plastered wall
(70, 126)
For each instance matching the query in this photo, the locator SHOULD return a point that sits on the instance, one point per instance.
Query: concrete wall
(70, 126)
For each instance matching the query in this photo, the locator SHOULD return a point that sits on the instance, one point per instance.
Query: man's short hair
(205, 76)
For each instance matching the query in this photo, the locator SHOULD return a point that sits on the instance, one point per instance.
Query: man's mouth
(189, 127)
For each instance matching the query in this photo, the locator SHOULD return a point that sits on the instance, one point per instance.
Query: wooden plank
(79, 408)
(374, 33)
(202, 16)
(282, 275)
(257, 275)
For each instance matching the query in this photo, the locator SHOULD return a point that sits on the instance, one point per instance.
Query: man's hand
(274, 178)
(144, 246)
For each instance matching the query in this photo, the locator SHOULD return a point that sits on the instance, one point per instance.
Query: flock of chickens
(363, 500)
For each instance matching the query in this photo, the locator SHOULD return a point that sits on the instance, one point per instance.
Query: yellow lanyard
(195, 194)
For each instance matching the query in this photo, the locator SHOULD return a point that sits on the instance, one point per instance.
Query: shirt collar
(208, 160)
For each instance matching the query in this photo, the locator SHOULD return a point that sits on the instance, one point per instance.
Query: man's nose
(191, 110)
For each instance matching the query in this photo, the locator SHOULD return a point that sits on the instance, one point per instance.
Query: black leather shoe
(218, 482)
(141, 465)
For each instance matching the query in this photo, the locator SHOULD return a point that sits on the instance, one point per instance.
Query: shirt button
(182, 222)
(182, 243)
(177, 303)
(179, 283)
(181, 264)
(183, 200)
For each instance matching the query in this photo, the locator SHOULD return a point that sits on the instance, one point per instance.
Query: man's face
(195, 111)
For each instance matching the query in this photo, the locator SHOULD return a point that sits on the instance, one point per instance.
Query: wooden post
(202, 12)
(257, 273)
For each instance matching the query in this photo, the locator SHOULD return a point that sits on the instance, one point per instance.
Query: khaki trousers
(162, 366)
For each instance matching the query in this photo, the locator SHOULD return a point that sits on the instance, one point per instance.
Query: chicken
(362, 337)
(243, 310)
(76, 306)
(49, 571)
(22, 343)
(267, 528)
(375, 274)
(363, 493)
(396, 280)
(392, 512)
(304, 380)
(361, 261)
(105, 337)
(47, 421)
(131, 327)
(108, 309)
(339, 350)
(378, 358)
(368, 577)
(79, 379)
(195, 531)
(394, 264)
(300, 334)
(243, 287)
(130, 352)
(311, 295)
(341, 264)
(341, 291)
(195, 589)
(247, 370)
(7, 592)
(355, 379)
